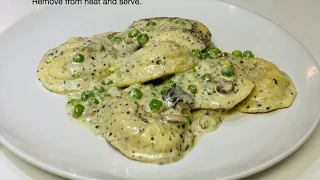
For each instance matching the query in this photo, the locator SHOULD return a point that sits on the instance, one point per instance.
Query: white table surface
(299, 17)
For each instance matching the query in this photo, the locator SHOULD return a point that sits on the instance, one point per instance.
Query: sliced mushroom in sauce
(223, 86)
(176, 95)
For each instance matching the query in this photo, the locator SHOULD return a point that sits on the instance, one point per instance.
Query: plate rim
(263, 166)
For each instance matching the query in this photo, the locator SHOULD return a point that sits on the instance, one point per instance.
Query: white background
(300, 17)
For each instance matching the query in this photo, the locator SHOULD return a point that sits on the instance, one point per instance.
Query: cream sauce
(160, 70)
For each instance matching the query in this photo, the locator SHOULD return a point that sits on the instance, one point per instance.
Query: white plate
(33, 123)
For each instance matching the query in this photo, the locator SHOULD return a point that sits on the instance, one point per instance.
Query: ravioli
(59, 73)
(153, 62)
(273, 89)
(208, 97)
(190, 33)
(139, 134)
(154, 89)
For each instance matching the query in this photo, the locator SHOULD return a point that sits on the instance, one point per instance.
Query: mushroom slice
(223, 86)
(175, 96)
(184, 108)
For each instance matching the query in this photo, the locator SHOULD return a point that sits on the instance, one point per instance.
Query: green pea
(179, 22)
(155, 104)
(136, 93)
(142, 39)
(192, 89)
(103, 95)
(74, 102)
(217, 51)
(85, 96)
(77, 110)
(226, 63)
(116, 40)
(206, 77)
(205, 55)
(212, 54)
(227, 72)
(93, 101)
(197, 53)
(151, 23)
(165, 90)
(189, 119)
(237, 53)
(79, 58)
(133, 33)
(151, 86)
(99, 89)
(248, 54)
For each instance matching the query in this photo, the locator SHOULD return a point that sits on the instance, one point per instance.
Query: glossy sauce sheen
(113, 70)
